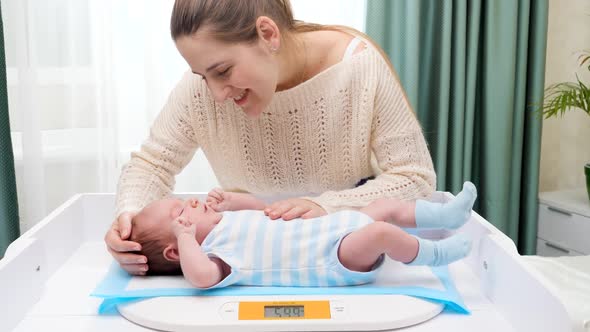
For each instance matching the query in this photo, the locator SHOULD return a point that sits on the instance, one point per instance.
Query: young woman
(280, 108)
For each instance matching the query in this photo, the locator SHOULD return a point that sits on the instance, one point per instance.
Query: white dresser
(564, 223)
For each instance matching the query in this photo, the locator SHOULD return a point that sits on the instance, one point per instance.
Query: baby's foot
(443, 252)
(451, 215)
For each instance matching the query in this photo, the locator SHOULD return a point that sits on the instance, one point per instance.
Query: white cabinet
(564, 223)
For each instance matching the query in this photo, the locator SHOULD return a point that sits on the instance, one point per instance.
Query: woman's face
(245, 73)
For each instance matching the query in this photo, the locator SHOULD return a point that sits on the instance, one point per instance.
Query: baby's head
(152, 228)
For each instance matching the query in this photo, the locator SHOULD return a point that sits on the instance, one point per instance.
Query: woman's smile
(241, 99)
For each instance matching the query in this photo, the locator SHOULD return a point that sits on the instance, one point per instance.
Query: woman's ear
(171, 253)
(269, 32)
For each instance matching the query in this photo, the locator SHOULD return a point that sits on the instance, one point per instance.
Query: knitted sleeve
(399, 146)
(149, 175)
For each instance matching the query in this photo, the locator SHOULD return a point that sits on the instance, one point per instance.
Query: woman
(279, 107)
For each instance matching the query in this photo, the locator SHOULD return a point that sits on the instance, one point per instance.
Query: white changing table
(48, 273)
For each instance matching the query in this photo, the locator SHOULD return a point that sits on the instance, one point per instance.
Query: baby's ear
(171, 253)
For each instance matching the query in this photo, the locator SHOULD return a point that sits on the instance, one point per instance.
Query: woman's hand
(292, 208)
(181, 226)
(119, 247)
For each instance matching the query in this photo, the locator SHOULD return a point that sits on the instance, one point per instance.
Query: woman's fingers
(116, 237)
(294, 208)
(295, 212)
(121, 248)
(128, 257)
(135, 269)
(132, 263)
(123, 224)
(314, 213)
(276, 210)
(116, 244)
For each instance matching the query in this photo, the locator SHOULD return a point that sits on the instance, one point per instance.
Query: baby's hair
(152, 246)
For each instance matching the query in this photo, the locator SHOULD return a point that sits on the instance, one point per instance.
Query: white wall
(565, 146)
(340, 12)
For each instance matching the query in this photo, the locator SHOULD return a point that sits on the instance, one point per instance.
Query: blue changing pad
(432, 284)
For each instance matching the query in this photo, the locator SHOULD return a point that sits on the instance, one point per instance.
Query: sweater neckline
(310, 86)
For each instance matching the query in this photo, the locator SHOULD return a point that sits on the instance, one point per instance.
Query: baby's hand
(219, 200)
(181, 225)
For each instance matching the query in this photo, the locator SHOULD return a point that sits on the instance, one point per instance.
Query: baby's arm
(221, 200)
(200, 270)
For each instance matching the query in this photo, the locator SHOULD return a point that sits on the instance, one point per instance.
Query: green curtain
(473, 71)
(9, 220)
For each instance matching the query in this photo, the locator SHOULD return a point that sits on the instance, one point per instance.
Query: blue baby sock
(443, 252)
(451, 215)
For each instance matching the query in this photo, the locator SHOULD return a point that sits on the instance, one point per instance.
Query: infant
(228, 240)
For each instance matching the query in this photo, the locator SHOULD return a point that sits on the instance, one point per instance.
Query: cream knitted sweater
(317, 137)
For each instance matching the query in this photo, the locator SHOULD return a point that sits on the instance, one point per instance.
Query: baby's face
(160, 214)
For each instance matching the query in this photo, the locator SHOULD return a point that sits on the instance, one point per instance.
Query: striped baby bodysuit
(265, 252)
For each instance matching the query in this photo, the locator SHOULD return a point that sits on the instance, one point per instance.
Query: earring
(273, 49)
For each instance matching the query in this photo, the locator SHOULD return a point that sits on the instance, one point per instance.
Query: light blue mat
(113, 290)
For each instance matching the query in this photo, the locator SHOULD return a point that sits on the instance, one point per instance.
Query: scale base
(347, 313)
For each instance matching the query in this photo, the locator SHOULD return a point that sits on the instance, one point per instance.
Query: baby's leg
(451, 215)
(425, 214)
(392, 210)
(360, 249)
(443, 252)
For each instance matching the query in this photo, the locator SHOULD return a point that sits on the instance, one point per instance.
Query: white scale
(284, 313)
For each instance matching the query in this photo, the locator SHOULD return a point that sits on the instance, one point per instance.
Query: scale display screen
(284, 310)
(276, 311)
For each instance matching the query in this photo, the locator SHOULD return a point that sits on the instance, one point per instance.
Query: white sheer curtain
(85, 80)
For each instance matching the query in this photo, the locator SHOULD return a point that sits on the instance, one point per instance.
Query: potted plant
(565, 96)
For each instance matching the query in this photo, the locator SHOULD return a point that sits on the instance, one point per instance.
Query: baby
(242, 246)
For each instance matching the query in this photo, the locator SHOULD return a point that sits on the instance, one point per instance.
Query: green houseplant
(565, 96)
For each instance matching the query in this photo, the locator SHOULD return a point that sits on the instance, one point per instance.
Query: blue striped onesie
(264, 252)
